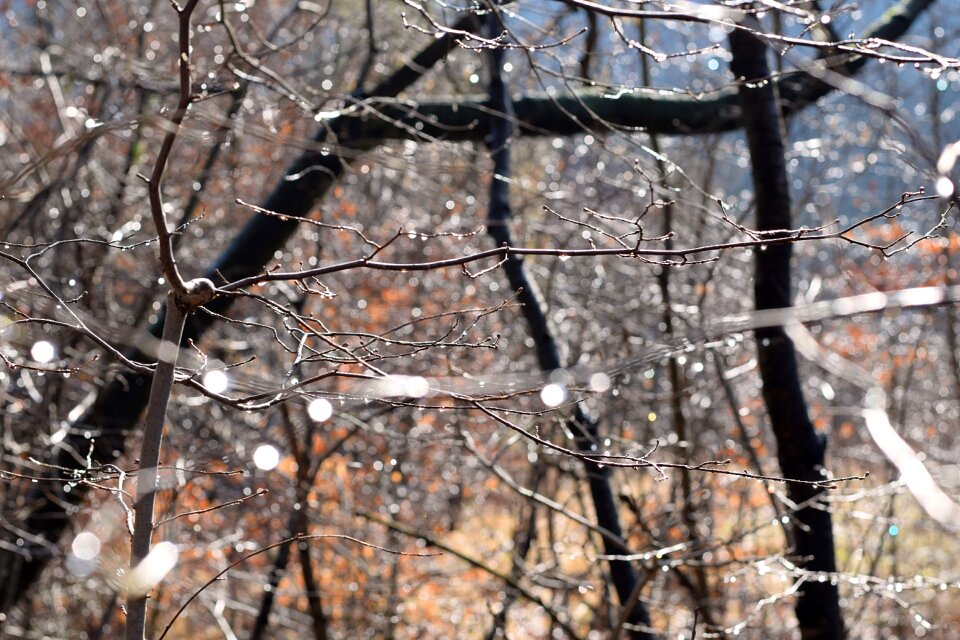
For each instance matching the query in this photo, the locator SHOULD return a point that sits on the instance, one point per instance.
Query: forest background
(534, 319)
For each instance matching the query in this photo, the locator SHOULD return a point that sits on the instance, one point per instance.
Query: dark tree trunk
(44, 513)
(800, 448)
(47, 509)
(467, 117)
(584, 426)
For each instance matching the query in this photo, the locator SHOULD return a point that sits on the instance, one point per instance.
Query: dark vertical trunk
(800, 448)
(622, 575)
(279, 567)
(46, 510)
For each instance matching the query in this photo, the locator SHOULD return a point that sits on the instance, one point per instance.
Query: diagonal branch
(118, 407)
(548, 355)
(653, 111)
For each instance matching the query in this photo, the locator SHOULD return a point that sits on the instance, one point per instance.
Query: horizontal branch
(673, 257)
(653, 111)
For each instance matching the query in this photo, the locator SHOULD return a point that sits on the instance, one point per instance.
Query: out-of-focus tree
(439, 313)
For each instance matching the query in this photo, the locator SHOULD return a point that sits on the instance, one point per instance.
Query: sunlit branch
(274, 80)
(652, 111)
(800, 447)
(645, 462)
(676, 257)
(154, 182)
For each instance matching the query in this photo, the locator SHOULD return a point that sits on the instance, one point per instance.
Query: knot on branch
(195, 293)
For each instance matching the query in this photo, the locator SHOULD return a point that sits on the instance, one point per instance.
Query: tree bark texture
(159, 397)
(651, 111)
(118, 408)
(46, 511)
(800, 448)
(585, 428)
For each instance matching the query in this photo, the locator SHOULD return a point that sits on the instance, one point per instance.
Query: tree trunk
(800, 448)
(119, 406)
(584, 426)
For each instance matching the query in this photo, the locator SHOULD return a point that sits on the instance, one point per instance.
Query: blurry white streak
(111, 523)
(839, 308)
(917, 479)
(167, 351)
(27, 378)
(714, 333)
(158, 563)
(78, 410)
(326, 115)
(735, 372)
(920, 483)
(118, 335)
(396, 386)
(827, 390)
(217, 611)
(945, 186)
(712, 13)
(465, 384)
(813, 289)
(179, 470)
(808, 148)
(60, 434)
(948, 158)
(945, 164)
